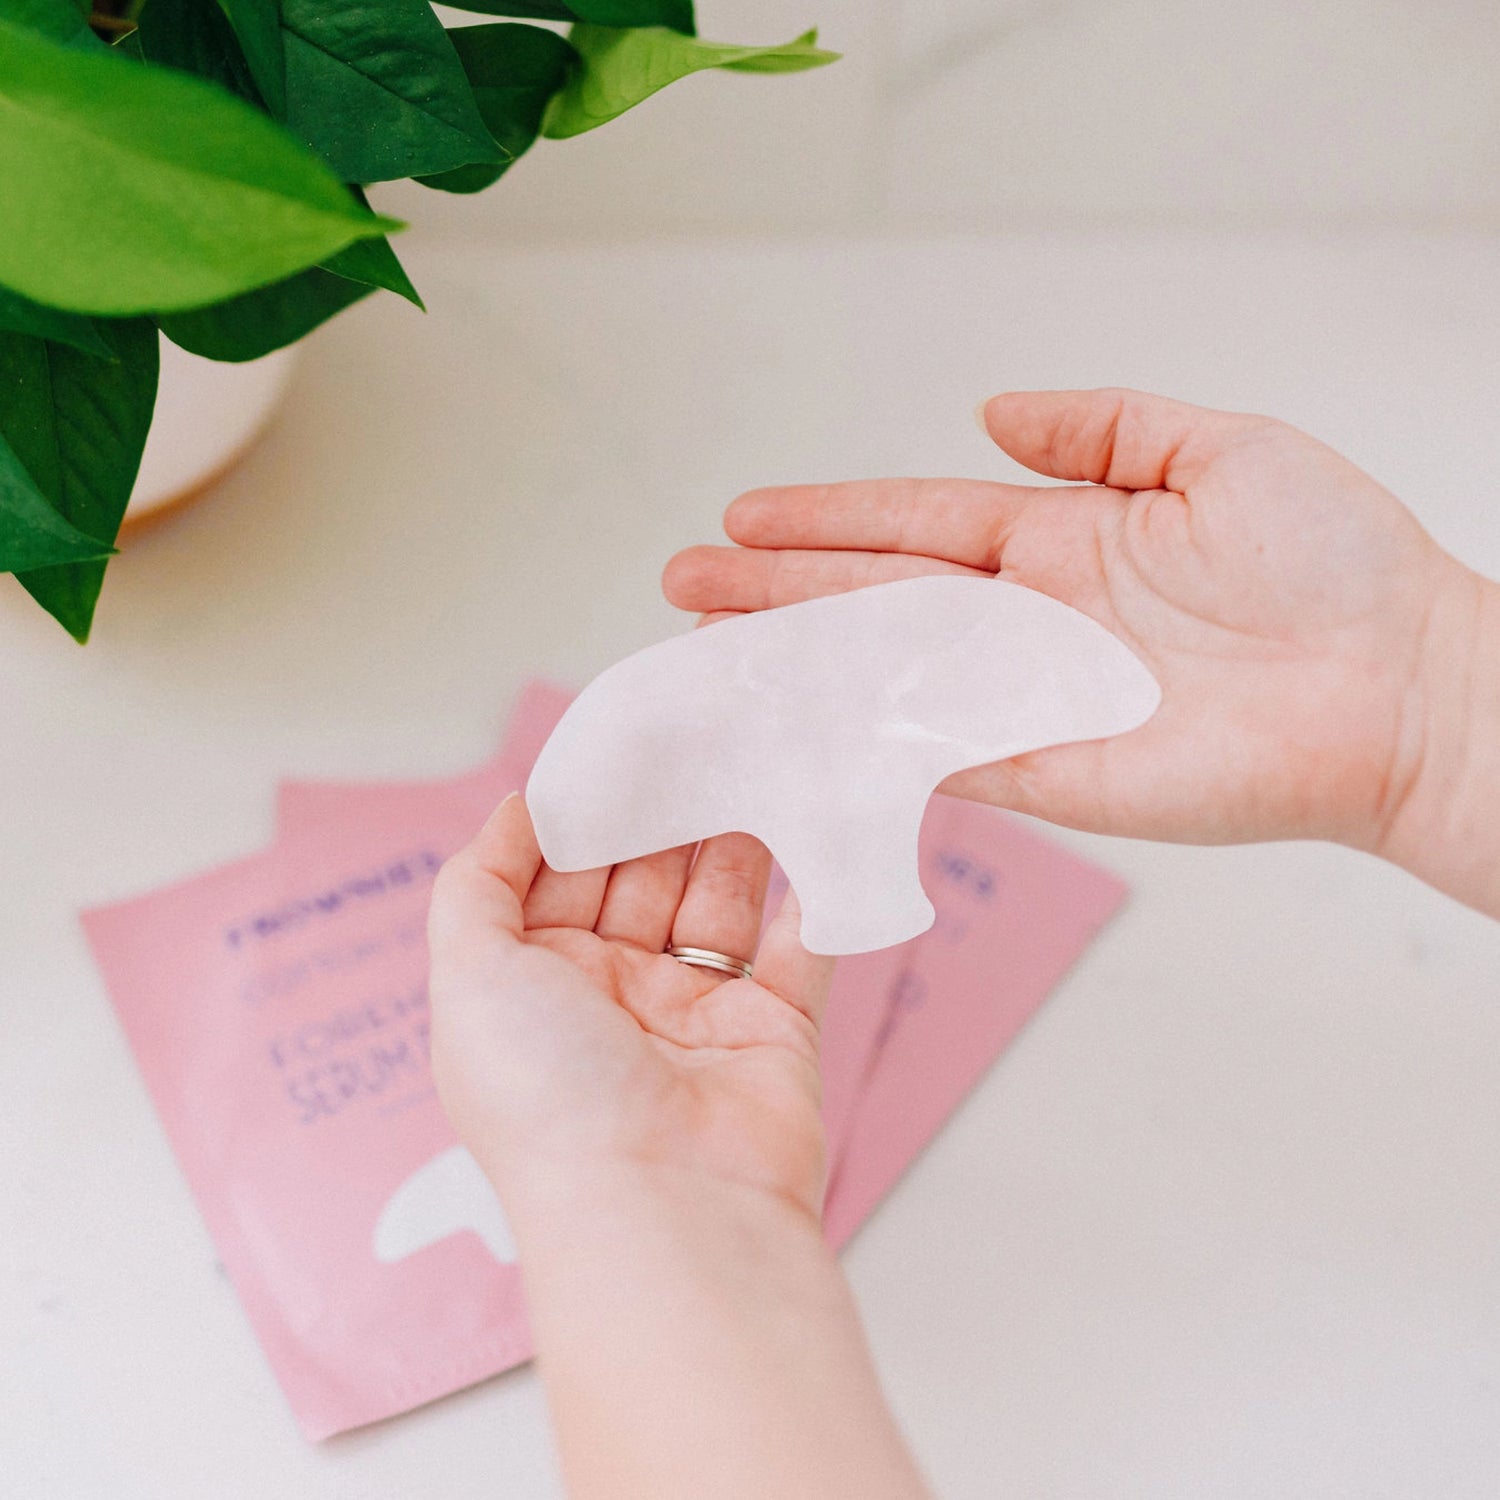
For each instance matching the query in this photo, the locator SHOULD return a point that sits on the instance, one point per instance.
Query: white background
(1226, 1221)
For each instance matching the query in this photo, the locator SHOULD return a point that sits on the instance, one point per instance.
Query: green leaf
(471, 179)
(60, 20)
(620, 68)
(257, 24)
(20, 314)
(514, 71)
(533, 10)
(800, 54)
(78, 425)
(376, 89)
(678, 14)
(274, 316)
(270, 317)
(196, 37)
(374, 263)
(131, 188)
(32, 534)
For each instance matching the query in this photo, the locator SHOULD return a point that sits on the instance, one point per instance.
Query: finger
(1126, 439)
(725, 897)
(787, 969)
(487, 882)
(715, 615)
(958, 520)
(642, 898)
(571, 899)
(717, 579)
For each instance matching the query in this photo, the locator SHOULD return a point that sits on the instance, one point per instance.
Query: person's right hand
(1309, 637)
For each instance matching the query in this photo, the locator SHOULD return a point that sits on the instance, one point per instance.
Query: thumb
(1125, 439)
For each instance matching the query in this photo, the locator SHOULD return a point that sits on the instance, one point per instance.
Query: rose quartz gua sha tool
(822, 728)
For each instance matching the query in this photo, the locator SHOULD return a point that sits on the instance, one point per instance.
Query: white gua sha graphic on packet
(446, 1195)
(822, 728)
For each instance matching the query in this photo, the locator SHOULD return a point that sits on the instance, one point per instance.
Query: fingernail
(979, 421)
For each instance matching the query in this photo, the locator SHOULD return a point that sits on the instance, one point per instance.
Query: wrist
(1443, 822)
(697, 1336)
(547, 1197)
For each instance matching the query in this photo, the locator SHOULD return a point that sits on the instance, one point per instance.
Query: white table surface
(1225, 1222)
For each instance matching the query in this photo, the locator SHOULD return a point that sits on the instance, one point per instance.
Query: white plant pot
(207, 415)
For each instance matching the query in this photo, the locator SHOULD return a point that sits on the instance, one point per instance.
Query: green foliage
(20, 314)
(203, 175)
(376, 89)
(678, 14)
(77, 426)
(374, 263)
(60, 20)
(531, 10)
(620, 68)
(195, 36)
(514, 71)
(32, 533)
(271, 317)
(257, 25)
(206, 196)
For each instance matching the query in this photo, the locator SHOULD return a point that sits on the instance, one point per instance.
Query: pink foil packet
(909, 1030)
(277, 1008)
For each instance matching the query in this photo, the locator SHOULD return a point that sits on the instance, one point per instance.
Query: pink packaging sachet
(277, 1009)
(909, 1030)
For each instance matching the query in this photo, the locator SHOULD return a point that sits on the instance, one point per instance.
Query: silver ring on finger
(707, 958)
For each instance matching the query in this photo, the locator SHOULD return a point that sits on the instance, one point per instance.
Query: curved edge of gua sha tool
(822, 728)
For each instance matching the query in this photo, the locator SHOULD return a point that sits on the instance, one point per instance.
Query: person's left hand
(563, 1037)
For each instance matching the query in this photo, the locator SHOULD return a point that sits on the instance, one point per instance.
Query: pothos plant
(195, 169)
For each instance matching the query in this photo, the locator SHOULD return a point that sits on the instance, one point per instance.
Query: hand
(565, 1039)
(653, 1132)
(1305, 630)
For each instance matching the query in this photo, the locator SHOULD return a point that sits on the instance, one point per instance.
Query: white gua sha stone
(822, 728)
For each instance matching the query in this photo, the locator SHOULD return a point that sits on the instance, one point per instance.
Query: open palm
(1280, 596)
(562, 1029)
